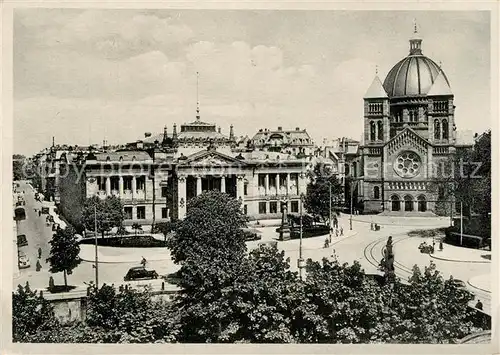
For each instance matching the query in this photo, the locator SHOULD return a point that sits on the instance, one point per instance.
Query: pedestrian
(143, 262)
(479, 305)
(38, 265)
(336, 232)
(440, 245)
(341, 231)
(327, 243)
(39, 213)
(39, 253)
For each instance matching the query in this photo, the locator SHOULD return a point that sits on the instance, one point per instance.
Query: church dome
(413, 75)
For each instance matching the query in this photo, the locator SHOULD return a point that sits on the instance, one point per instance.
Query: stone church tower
(409, 128)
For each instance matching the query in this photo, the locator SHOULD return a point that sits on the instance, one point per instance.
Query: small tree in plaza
(136, 227)
(212, 226)
(317, 200)
(109, 213)
(64, 252)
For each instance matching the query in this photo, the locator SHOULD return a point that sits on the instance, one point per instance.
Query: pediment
(210, 158)
(407, 138)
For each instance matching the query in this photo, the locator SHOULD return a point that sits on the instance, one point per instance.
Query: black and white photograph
(250, 176)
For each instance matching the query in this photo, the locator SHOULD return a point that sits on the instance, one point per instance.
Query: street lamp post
(96, 257)
(461, 223)
(330, 210)
(300, 261)
(350, 218)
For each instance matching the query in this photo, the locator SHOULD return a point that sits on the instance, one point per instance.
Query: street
(361, 244)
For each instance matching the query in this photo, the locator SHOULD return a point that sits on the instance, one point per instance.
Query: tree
(213, 226)
(64, 252)
(31, 313)
(18, 166)
(165, 228)
(317, 201)
(109, 213)
(136, 227)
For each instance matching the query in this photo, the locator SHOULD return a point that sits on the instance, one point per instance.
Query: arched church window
(445, 129)
(395, 203)
(437, 129)
(408, 203)
(372, 131)
(422, 203)
(380, 131)
(376, 192)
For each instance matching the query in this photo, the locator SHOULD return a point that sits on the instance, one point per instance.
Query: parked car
(251, 235)
(22, 240)
(140, 273)
(23, 260)
(459, 283)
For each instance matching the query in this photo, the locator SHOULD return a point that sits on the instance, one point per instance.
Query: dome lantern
(415, 42)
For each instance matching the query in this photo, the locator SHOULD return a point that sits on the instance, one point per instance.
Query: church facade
(409, 130)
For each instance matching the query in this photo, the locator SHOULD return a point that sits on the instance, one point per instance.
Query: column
(134, 186)
(288, 183)
(240, 189)
(278, 187)
(198, 185)
(223, 184)
(108, 186)
(120, 186)
(415, 205)
(181, 196)
(267, 183)
(301, 183)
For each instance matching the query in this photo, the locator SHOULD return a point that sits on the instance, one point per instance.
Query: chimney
(53, 141)
(297, 128)
(218, 130)
(147, 134)
(280, 128)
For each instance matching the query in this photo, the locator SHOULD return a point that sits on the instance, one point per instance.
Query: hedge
(130, 241)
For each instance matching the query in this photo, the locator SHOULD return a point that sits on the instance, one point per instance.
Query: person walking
(143, 262)
(341, 231)
(39, 252)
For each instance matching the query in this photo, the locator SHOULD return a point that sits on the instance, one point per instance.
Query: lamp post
(300, 261)
(461, 223)
(330, 210)
(96, 257)
(352, 191)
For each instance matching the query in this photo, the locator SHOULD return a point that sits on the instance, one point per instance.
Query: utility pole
(350, 218)
(96, 258)
(461, 223)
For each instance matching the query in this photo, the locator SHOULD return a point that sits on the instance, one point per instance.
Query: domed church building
(409, 128)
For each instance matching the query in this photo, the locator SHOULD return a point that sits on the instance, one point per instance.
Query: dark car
(22, 240)
(251, 235)
(140, 273)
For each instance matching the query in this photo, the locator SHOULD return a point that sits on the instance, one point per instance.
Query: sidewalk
(123, 255)
(481, 282)
(459, 254)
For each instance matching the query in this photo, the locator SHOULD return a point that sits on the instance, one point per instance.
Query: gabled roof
(440, 87)
(376, 90)
(407, 137)
(210, 157)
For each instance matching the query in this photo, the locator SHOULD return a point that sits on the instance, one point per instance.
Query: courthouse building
(156, 177)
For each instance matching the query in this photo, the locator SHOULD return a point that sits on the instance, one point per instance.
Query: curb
(477, 288)
(460, 261)
(122, 261)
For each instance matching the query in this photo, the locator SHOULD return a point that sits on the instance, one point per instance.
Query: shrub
(140, 241)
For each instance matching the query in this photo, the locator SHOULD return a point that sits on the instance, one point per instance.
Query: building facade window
(380, 127)
(440, 192)
(128, 212)
(396, 203)
(141, 212)
(422, 203)
(164, 212)
(273, 207)
(140, 182)
(376, 192)
(164, 191)
(127, 182)
(245, 189)
(408, 203)
(245, 209)
(294, 206)
(372, 131)
(445, 129)
(101, 182)
(115, 184)
(437, 129)
(262, 208)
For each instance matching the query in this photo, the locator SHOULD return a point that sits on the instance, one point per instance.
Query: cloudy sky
(86, 75)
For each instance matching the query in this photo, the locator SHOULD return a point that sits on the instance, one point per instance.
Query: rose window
(407, 164)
